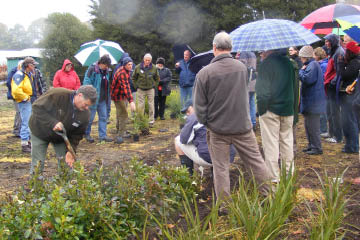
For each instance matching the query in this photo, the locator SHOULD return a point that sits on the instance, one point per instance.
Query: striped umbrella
(91, 52)
(270, 34)
(351, 26)
(323, 20)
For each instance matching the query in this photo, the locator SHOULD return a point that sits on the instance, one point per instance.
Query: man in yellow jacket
(22, 89)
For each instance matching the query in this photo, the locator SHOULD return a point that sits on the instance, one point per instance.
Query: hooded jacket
(22, 85)
(330, 76)
(69, 80)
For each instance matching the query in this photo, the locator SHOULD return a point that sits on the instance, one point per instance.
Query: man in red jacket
(66, 77)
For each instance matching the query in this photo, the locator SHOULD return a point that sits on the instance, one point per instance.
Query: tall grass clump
(174, 104)
(263, 217)
(326, 221)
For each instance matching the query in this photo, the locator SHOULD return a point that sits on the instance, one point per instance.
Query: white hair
(148, 55)
(222, 41)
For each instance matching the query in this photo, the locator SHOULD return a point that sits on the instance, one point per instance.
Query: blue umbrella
(351, 26)
(200, 60)
(269, 34)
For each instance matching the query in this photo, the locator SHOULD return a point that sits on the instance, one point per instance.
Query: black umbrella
(200, 60)
(179, 50)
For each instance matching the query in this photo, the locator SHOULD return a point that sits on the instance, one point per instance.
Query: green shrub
(97, 205)
(174, 104)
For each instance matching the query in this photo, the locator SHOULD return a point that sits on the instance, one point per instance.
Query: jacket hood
(333, 39)
(66, 62)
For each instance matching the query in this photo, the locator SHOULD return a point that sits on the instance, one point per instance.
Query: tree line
(153, 26)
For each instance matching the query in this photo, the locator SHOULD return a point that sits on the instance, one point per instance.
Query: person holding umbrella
(97, 75)
(187, 78)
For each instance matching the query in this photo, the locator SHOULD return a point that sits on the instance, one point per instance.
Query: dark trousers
(159, 101)
(323, 123)
(335, 128)
(349, 124)
(312, 129)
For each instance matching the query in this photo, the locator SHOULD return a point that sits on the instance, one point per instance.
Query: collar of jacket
(309, 61)
(142, 66)
(97, 68)
(221, 56)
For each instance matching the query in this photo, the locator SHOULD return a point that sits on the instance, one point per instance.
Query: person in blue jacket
(97, 75)
(191, 144)
(187, 78)
(312, 100)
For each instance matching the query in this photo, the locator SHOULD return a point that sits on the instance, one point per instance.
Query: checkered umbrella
(269, 34)
(351, 26)
(91, 52)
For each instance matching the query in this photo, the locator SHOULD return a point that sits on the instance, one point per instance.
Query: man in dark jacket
(163, 90)
(17, 118)
(275, 100)
(56, 109)
(187, 78)
(221, 102)
(332, 83)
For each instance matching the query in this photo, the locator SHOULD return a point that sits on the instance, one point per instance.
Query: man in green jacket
(145, 79)
(58, 108)
(275, 100)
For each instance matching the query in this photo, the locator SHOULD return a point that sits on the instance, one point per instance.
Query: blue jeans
(349, 124)
(252, 108)
(108, 109)
(25, 112)
(101, 109)
(185, 94)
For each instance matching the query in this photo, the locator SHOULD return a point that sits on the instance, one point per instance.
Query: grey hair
(222, 41)
(148, 55)
(88, 92)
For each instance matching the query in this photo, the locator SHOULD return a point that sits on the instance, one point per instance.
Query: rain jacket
(187, 77)
(275, 85)
(93, 77)
(330, 77)
(165, 79)
(145, 78)
(312, 89)
(194, 133)
(57, 105)
(22, 85)
(8, 82)
(69, 80)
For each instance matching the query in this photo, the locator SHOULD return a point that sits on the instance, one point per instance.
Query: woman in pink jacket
(66, 77)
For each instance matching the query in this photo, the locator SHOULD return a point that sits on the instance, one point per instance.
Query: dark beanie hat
(126, 60)
(160, 60)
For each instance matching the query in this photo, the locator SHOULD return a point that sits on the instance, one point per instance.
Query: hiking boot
(119, 140)
(314, 152)
(162, 118)
(89, 139)
(26, 149)
(106, 139)
(306, 149)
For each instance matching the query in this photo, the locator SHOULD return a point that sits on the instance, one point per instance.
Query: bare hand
(69, 159)
(177, 65)
(58, 127)
(303, 67)
(132, 106)
(349, 90)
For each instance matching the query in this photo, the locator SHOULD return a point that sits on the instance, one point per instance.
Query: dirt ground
(14, 165)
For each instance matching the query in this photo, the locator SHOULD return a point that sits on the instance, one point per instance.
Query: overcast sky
(26, 11)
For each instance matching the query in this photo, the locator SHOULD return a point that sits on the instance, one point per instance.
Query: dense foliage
(99, 205)
(64, 35)
(156, 25)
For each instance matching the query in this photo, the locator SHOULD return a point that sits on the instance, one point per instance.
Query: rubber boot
(188, 163)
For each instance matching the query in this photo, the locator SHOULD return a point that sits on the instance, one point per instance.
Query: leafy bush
(174, 104)
(140, 123)
(98, 205)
